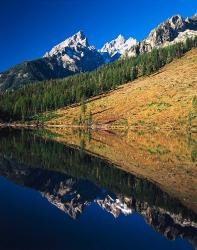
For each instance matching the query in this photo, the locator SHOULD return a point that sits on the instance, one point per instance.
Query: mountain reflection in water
(72, 180)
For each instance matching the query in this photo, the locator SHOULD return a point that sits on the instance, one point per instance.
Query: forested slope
(26, 103)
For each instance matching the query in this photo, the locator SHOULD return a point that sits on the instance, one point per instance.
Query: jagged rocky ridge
(175, 29)
(116, 48)
(75, 55)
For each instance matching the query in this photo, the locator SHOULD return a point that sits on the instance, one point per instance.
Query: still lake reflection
(54, 196)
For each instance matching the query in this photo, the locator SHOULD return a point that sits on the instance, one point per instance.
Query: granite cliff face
(175, 29)
(75, 54)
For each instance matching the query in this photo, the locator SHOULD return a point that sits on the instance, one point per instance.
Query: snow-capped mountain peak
(117, 47)
(77, 40)
(75, 54)
(130, 43)
(114, 46)
(120, 39)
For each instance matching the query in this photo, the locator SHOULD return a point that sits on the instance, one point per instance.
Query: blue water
(28, 221)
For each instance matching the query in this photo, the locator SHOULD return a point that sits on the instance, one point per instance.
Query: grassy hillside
(30, 101)
(166, 99)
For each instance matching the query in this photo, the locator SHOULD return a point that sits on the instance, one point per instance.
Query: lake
(63, 189)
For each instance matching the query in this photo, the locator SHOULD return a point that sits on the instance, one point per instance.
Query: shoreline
(94, 127)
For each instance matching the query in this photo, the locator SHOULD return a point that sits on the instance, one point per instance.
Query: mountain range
(76, 55)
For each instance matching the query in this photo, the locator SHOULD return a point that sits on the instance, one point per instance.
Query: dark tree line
(25, 103)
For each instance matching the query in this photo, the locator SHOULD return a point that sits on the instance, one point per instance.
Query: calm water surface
(57, 197)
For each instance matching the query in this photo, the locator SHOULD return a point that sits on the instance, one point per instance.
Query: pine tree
(83, 106)
(133, 73)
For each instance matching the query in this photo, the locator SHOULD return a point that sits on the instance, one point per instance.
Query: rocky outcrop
(165, 32)
(175, 29)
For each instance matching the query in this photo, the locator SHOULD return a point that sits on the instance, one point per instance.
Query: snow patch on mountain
(73, 42)
(76, 54)
(116, 48)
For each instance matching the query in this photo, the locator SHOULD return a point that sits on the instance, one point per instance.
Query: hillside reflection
(72, 179)
(168, 158)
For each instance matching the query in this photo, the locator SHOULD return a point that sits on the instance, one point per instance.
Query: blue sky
(28, 28)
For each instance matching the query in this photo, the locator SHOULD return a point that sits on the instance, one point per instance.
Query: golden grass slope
(162, 100)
